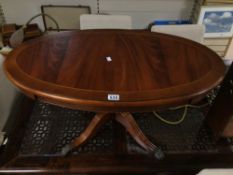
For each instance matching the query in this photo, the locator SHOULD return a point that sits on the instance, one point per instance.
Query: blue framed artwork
(218, 21)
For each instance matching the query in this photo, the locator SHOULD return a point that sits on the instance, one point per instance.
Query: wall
(142, 12)
(21, 11)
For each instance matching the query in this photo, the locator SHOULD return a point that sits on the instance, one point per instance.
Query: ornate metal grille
(51, 127)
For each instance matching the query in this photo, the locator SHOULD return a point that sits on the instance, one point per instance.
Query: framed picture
(67, 17)
(217, 20)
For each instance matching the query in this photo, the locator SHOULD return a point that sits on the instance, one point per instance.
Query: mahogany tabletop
(114, 70)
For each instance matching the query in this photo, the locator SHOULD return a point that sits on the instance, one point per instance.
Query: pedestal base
(127, 120)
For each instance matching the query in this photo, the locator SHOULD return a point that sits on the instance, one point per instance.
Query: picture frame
(218, 21)
(67, 17)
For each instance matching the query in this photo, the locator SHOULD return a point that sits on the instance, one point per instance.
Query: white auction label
(113, 97)
(109, 59)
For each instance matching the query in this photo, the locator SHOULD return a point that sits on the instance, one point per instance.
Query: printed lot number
(113, 97)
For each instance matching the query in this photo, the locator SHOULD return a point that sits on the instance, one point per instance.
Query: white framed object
(218, 21)
(97, 21)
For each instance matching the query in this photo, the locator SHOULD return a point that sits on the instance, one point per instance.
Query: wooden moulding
(220, 115)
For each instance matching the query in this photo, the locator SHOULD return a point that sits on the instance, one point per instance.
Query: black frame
(60, 6)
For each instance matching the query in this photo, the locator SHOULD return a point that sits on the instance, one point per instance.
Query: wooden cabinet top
(114, 70)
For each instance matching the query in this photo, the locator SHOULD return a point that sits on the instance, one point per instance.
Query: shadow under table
(41, 130)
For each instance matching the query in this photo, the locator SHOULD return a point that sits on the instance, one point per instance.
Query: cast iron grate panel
(212, 94)
(189, 137)
(51, 127)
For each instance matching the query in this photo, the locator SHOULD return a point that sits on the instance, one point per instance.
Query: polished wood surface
(220, 115)
(89, 132)
(148, 70)
(127, 120)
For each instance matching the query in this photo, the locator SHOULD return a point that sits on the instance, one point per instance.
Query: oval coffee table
(114, 72)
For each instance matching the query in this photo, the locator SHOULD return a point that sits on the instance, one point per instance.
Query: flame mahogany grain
(148, 70)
